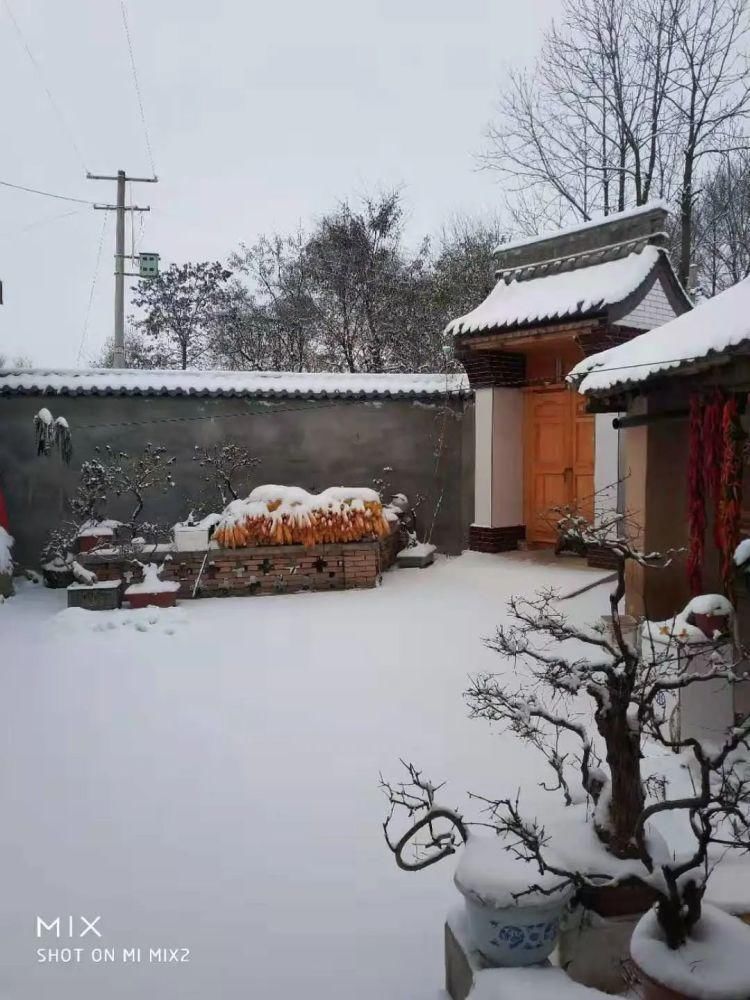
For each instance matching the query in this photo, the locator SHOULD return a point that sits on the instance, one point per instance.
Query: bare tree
(180, 307)
(629, 101)
(137, 476)
(225, 470)
(722, 224)
(270, 324)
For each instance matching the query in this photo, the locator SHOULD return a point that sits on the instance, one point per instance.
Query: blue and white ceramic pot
(516, 935)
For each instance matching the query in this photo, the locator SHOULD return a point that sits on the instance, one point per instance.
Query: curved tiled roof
(716, 328)
(260, 385)
(566, 294)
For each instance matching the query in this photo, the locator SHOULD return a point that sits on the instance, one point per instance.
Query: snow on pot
(509, 925)
(711, 613)
(194, 536)
(595, 934)
(57, 573)
(96, 534)
(152, 591)
(712, 965)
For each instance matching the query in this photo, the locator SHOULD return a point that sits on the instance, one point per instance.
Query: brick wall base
(273, 569)
(496, 539)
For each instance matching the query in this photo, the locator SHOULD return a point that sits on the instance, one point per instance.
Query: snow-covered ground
(207, 778)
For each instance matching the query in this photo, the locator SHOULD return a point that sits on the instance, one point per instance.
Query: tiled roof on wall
(260, 385)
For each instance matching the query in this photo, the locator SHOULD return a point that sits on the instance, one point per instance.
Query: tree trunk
(686, 220)
(626, 800)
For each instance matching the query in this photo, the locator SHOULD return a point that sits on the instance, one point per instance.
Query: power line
(93, 286)
(56, 107)
(41, 222)
(137, 86)
(46, 194)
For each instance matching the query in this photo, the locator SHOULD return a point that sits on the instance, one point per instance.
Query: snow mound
(708, 604)
(712, 965)
(530, 984)
(6, 544)
(489, 872)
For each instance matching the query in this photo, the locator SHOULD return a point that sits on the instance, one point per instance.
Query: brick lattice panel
(492, 368)
(496, 539)
(273, 569)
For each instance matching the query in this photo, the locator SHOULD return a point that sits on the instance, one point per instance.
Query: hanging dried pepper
(713, 458)
(696, 497)
(731, 491)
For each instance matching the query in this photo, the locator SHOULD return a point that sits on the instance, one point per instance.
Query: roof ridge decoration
(646, 222)
(571, 262)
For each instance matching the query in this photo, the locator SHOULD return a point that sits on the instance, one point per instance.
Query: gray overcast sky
(261, 115)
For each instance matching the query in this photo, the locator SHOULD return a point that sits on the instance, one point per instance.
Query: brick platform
(600, 557)
(496, 539)
(273, 569)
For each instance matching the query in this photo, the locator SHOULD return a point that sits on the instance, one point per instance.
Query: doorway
(558, 459)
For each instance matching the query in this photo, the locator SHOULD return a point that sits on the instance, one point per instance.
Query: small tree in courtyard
(136, 477)
(226, 468)
(556, 663)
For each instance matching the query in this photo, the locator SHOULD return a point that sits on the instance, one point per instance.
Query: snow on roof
(713, 327)
(266, 385)
(604, 220)
(565, 294)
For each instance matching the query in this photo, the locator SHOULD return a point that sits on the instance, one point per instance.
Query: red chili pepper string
(731, 491)
(696, 497)
(713, 458)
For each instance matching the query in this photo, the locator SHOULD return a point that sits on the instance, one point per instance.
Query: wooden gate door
(558, 459)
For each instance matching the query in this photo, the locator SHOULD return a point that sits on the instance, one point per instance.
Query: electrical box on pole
(120, 208)
(148, 265)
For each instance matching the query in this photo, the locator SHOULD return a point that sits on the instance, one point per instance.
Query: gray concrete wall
(309, 444)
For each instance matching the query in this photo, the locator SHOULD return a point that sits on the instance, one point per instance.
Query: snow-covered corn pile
(288, 515)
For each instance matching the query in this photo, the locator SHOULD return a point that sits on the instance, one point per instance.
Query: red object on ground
(157, 599)
(4, 519)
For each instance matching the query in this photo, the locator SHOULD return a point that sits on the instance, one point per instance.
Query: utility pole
(118, 358)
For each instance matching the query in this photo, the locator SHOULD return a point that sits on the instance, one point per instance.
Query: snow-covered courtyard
(206, 778)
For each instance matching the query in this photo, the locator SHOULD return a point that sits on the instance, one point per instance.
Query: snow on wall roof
(715, 326)
(605, 220)
(563, 295)
(264, 385)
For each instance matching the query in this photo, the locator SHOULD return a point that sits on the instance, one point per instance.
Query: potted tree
(602, 850)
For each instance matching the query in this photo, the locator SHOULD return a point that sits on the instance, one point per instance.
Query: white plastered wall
(498, 482)
(607, 471)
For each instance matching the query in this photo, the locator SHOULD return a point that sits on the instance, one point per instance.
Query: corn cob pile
(279, 515)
